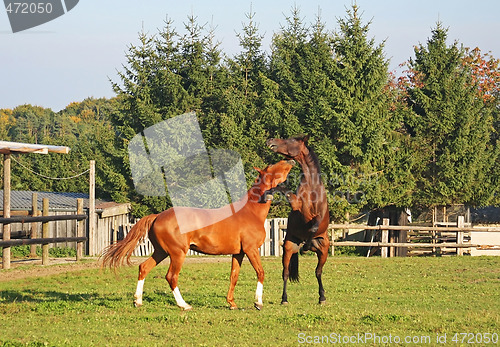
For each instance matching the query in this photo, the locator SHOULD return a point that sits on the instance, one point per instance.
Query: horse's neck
(309, 167)
(311, 182)
(255, 193)
(252, 202)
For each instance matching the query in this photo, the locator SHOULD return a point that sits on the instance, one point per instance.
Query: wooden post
(385, 238)
(460, 234)
(332, 240)
(45, 232)
(92, 215)
(282, 236)
(347, 219)
(6, 209)
(275, 227)
(80, 229)
(34, 226)
(433, 232)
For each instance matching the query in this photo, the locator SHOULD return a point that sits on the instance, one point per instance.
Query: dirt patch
(26, 268)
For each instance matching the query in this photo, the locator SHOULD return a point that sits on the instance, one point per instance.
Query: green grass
(25, 250)
(388, 297)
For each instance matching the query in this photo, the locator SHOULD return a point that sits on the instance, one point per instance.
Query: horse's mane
(312, 155)
(314, 158)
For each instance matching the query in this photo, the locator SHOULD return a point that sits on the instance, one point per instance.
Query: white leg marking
(258, 293)
(179, 300)
(138, 293)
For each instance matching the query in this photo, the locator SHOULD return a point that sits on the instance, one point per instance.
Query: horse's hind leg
(322, 253)
(289, 248)
(144, 269)
(235, 271)
(172, 277)
(286, 273)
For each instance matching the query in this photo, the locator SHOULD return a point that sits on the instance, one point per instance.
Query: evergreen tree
(169, 75)
(365, 127)
(451, 125)
(337, 88)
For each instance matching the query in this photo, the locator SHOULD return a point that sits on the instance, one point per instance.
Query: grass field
(417, 299)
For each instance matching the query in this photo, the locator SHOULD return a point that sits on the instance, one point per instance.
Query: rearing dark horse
(309, 219)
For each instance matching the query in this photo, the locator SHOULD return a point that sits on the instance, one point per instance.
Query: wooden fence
(460, 230)
(110, 222)
(276, 228)
(115, 226)
(110, 226)
(45, 240)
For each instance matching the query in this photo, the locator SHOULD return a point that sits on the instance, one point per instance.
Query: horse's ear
(306, 139)
(259, 170)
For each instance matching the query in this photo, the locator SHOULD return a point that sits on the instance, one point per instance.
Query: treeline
(429, 137)
(86, 128)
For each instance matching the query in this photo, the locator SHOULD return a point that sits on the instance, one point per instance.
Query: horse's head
(274, 174)
(290, 148)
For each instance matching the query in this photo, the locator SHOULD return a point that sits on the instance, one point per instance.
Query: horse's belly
(215, 243)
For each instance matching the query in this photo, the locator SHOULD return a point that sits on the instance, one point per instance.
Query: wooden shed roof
(21, 201)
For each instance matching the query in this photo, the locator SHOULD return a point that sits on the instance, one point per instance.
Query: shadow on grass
(165, 297)
(56, 301)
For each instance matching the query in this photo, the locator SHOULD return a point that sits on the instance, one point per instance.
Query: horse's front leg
(235, 271)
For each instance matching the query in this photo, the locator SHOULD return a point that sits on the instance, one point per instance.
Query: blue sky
(74, 56)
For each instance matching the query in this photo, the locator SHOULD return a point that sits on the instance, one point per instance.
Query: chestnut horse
(239, 234)
(308, 221)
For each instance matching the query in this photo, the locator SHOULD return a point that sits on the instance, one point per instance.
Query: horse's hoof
(322, 302)
(258, 306)
(284, 303)
(137, 304)
(233, 307)
(187, 308)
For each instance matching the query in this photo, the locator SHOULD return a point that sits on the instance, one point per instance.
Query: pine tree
(337, 88)
(451, 125)
(168, 75)
(375, 167)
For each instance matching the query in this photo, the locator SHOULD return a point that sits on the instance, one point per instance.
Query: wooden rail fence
(276, 229)
(385, 245)
(7, 242)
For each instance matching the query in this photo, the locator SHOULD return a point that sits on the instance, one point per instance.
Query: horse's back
(209, 231)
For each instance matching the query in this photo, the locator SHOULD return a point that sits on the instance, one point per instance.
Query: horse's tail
(120, 252)
(293, 268)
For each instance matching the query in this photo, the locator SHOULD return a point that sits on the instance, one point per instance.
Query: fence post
(385, 238)
(460, 234)
(281, 235)
(45, 232)
(92, 215)
(80, 229)
(34, 225)
(6, 209)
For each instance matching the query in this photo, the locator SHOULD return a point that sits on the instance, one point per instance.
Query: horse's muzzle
(270, 143)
